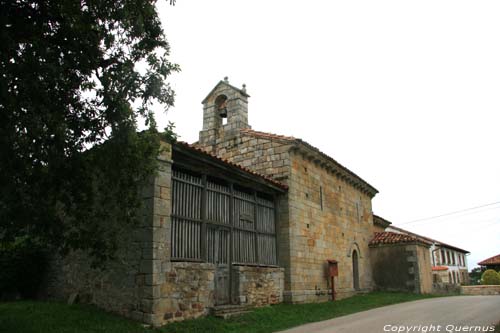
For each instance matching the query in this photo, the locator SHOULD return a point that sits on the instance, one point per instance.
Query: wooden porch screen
(209, 216)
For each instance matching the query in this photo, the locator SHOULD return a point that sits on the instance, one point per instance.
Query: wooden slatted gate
(218, 222)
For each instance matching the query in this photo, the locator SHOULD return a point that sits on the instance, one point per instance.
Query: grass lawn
(32, 316)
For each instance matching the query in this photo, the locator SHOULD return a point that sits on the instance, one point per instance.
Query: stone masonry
(144, 283)
(326, 215)
(259, 286)
(413, 273)
(130, 285)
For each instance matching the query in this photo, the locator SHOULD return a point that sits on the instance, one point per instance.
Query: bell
(223, 112)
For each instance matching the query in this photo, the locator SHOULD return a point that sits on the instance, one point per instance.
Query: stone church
(239, 219)
(326, 213)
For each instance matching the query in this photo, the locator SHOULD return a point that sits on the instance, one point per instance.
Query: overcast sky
(403, 93)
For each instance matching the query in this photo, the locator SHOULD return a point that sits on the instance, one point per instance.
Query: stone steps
(227, 311)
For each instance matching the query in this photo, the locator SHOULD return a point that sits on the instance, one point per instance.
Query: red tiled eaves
(439, 268)
(495, 260)
(388, 237)
(240, 167)
(438, 243)
(299, 143)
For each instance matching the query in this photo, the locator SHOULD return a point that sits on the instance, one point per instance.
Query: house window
(443, 258)
(448, 257)
(453, 257)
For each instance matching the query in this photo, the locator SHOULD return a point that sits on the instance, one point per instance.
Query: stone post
(155, 258)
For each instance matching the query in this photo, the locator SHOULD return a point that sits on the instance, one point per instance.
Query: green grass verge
(38, 317)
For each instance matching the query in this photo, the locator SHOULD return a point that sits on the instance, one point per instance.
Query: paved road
(451, 313)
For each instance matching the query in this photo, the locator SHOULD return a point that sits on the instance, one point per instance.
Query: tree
(77, 75)
(490, 276)
(475, 275)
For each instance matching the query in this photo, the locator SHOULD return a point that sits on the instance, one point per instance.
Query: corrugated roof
(235, 165)
(387, 237)
(495, 260)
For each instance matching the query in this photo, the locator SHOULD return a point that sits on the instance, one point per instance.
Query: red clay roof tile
(495, 260)
(439, 268)
(388, 237)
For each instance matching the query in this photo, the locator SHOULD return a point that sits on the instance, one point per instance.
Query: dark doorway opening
(355, 270)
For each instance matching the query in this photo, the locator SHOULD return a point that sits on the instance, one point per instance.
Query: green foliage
(76, 75)
(475, 276)
(490, 277)
(169, 134)
(23, 263)
(62, 318)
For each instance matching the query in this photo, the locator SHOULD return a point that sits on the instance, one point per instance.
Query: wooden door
(218, 253)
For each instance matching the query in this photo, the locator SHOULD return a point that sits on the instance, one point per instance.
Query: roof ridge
(299, 141)
(267, 134)
(430, 239)
(389, 237)
(492, 259)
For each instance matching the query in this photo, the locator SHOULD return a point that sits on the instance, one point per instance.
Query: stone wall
(329, 219)
(128, 285)
(480, 290)
(267, 156)
(187, 292)
(401, 267)
(391, 268)
(310, 230)
(259, 286)
(424, 269)
(445, 288)
(144, 284)
(114, 287)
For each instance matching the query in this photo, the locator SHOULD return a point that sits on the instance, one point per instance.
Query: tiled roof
(266, 178)
(267, 135)
(430, 240)
(310, 148)
(439, 268)
(388, 237)
(495, 260)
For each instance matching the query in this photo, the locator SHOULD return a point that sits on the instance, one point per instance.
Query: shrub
(490, 277)
(22, 266)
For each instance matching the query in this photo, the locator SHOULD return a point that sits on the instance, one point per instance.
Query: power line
(451, 213)
(458, 215)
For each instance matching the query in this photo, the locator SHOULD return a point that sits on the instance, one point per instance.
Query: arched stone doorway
(355, 270)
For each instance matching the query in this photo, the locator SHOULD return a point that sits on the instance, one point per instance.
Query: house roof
(439, 268)
(269, 180)
(381, 221)
(495, 260)
(319, 156)
(441, 244)
(387, 237)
